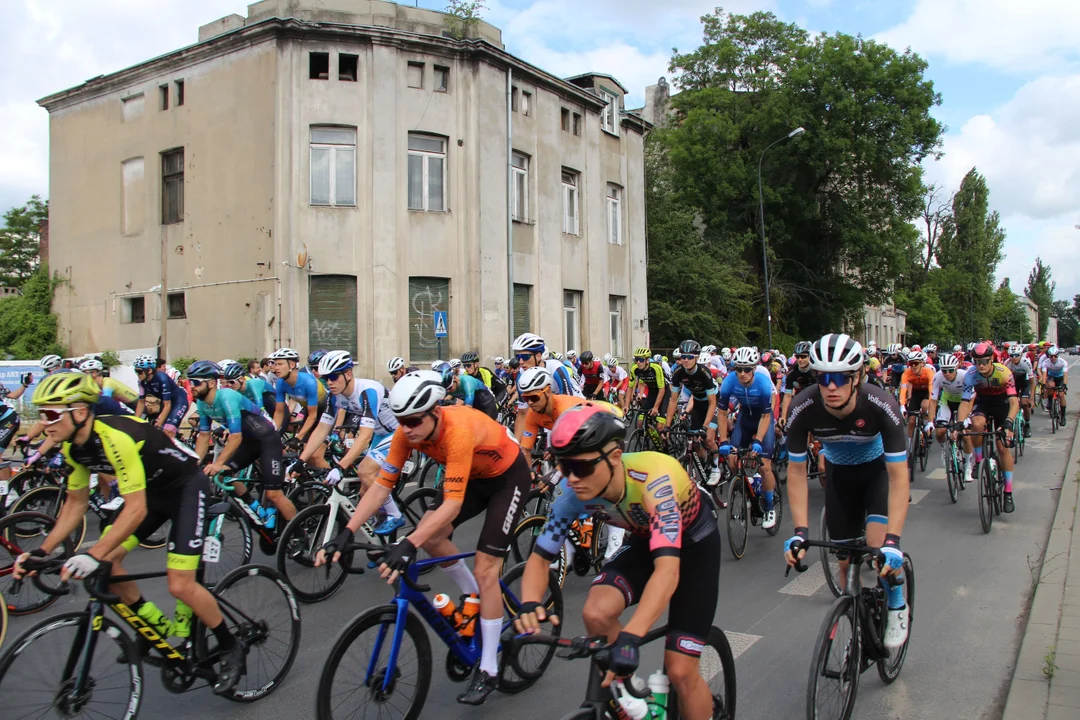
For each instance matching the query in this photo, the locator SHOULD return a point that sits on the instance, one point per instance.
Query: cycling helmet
(51, 362)
(470, 357)
(746, 356)
(766, 357)
(689, 347)
(802, 348)
(232, 371)
(948, 362)
(917, 356)
(528, 343)
(1053, 350)
(534, 379)
(983, 350)
(585, 428)
(436, 364)
(546, 355)
(557, 356)
(957, 348)
(726, 353)
(931, 348)
(586, 357)
(1015, 351)
(641, 352)
(416, 393)
(394, 364)
(499, 360)
(448, 374)
(703, 358)
(90, 364)
(709, 349)
(335, 361)
(613, 362)
(514, 363)
(836, 352)
(226, 361)
(607, 356)
(284, 354)
(571, 354)
(145, 362)
(204, 370)
(65, 388)
(314, 358)
(970, 347)
(454, 363)
(893, 349)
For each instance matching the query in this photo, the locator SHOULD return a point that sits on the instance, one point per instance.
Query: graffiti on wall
(328, 333)
(426, 300)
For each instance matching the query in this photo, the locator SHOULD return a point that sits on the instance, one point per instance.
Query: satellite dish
(302, 256)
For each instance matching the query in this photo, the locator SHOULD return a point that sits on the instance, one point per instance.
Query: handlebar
(873, 552)
(96, 583)
(579, 647)
(377, 551)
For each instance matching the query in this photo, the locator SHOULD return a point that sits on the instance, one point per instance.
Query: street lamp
(764, 249)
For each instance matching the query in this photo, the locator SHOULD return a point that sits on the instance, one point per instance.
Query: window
(131, 196)
(519, 187)
(514, 98)
(565, 120)
(132, 107)
(172, 186)
(442, 78)
(571, 313)
(333, 166)
(609, 118)
(133, 310)
(416, 75)
(427, 173)
(177, 308)
(522, 308)
(577, 124)
(427, 295)
(319, 66)
(614, 213)
(615, 314)
(163, 96)
(347, 67)
(570, 224)
(526, 103)
(179, 93)
(332, 312)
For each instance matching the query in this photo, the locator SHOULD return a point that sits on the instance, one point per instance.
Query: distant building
(882, 325)
(9, 291)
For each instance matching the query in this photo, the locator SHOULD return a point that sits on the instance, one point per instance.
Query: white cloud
(1057, 242)
(1013, 36)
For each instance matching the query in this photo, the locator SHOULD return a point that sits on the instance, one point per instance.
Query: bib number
(211, 550)
(408, 467)
(3, 487)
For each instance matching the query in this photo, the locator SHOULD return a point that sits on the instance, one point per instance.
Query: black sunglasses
(333, 377)
(744, 370)
(414, 421)
(580, 468)
(801, 357)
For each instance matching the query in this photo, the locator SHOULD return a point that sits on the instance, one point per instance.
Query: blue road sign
(440, 323)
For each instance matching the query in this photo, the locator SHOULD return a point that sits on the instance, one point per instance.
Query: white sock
(967, 459)
(489, 652)
(569, 553)
(460, 573)
(390, 507)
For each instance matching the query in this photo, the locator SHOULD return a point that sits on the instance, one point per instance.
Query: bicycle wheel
(356, 682)
(830, 563)
(986, 495)
(911, 455)
(924, 449)
(533, 659)
(24, 597)
(538, 502)
(3, 619)
(889, 668)
(308, 493)
(738, 520)
(952, 469)
(233, 534)
(834, 672)
(717, 668)
(1020, 439)
(299, 542)
(47, 499)
(1053, 414)
(524, 538)
(778, 506)
(34, 684)
(261, 612)
(428, 474)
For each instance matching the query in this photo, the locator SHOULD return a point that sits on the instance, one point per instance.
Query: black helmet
(586, 357)
(470, 357)
(314, 358)
(690, 347)
(514, 363)
(802, 348)
(204, 370)
(585, 428)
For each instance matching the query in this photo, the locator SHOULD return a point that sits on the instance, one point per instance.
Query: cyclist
(946, 394)
(529, 350)
(501, 371)
(465, 389)
(486, 473)
(915, 388)
(255, 389)
(1055, 373)
(470, 361)
(896, 364)
(751, 387)
(866, 491)
(800, 376)
(302, 386)
(172, 398)
(396, 367)
(9, 426)
(990, 391)
(696, 378)
(650, 375)
(110, 387)
(592, 373)
(668, 562)
(1023, 372)
(313, 361)
(931, 352)
(159, 479)
(618, 380)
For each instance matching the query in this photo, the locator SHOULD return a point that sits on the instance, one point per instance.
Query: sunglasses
(532, 399)
(580, 468)
(839, 379)
(984, 361)
(523, 358)
(802, 357)
(744, 370)
(230, 383)
(641, 360)
(199, 383)
(469, 366)
(51, 417)
(414, 421)
(688, 357)
(913, 363)
(949, 371)
(333, 377)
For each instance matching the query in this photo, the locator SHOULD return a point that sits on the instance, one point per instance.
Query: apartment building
(339, 174)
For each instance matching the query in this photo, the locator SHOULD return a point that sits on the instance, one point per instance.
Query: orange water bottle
(586, 532)
(445, 606)
(470, 611)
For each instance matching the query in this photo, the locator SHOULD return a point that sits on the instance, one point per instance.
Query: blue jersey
(228, 409)
(503, 374)
(756, 399)
(307, 390)
(162, 387)
(468, 388)
(107, 406)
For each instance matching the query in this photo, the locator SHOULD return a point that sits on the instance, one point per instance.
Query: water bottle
(755, 483)
(446, 608)
(182, 620)
(631, 707)
(658, 686)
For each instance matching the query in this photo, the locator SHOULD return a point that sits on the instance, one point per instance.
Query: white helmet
(416, 393)
(1053, 350)
(455, 363)
(613, 362)
(527, 343)
(392, 365)
(436, 364)
(607, 356)
(948, 362)
(836, 353)
(725, 353)
(894, 349)
(970, 347)
(747, 356)
(905, 350)
(873, 344)
(226, 361)
(704, 357)
(657, 358)
(499, 360)
(1015, 350)
(556, 356)
(91, 364)
(931, 348)
(957, 348)
(533, 379)
(917, 356)
(571, 354)
(51, 362)
(284, 354)
(546, 355)
(709, 349)
(335, 361)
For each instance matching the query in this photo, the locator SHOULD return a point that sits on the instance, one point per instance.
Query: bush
(183, 363)
(27, 324)
(110, 359)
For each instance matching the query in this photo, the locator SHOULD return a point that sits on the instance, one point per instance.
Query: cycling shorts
(746, 426)
(379, 448)
(894, 380)
(184, 504)
(854, 496)
(947, 411)
(915, 399)
(1023, 385)
(502, 498)
(176, 413)
(693, 605)
(698, 418)
(269, 402)
(997, 408)
(263, 443)
(9, 428)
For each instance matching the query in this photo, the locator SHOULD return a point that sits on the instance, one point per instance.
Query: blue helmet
(314, 358)
(231, 371)
(448, 375)
(145, 362)
(204, 370)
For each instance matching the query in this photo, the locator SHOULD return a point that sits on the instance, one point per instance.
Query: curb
(1029, 690)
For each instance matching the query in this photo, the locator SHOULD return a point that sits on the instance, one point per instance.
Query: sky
(1008, 72)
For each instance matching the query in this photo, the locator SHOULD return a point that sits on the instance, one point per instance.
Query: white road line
(740, 642)
(807, 583)
(936, 474)
(917, 495)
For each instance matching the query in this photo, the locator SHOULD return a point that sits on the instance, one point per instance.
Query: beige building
(335, 174)
(882, 325)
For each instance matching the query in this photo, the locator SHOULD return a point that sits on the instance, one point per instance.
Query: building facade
(883, 325)
(342, 174)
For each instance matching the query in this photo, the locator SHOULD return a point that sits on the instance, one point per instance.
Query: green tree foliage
(462, 16)
(1008, 320)
(1040, 288)
(183, 363)
(27, 324)
(19, 240)
(1068, 321)
(927, 319)
(110, 359)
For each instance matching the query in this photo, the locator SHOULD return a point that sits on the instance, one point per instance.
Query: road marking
(807, 583)
(740, 642)
(917, 495)
(936, 474)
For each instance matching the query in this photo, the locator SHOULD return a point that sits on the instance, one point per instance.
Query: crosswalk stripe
(807, 583)
(740, 642)
(917, 495)
(936, 474)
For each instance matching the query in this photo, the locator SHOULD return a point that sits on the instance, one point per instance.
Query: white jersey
(1054, 368)
(953, 391)
(368, 399)
(1021, 369)
(617, 374)
(718, 363)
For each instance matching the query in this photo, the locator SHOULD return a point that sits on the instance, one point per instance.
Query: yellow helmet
(65, 388)
(641, 352)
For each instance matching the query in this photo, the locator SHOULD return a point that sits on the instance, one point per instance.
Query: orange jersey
(467, 442)
(534, 420)
(910, 381)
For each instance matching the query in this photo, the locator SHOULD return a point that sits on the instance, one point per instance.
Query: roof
(572, 78)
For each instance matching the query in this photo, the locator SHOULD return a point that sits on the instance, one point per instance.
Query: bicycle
(700, 469)
(589, 539)
(991, 478)
(918, 445)
(862, 611)
(103, 666)
(1019, 430)
(717, 668)
(746, 505)
(953, 460)
(1057, 415)
(646, 435)
(19, 533)
(375, 675)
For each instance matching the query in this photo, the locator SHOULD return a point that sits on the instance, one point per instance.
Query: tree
(27, 324)
(1068, 322)
(935, 215)
(927, 318)
(19, 241)
(1040, 288)
(462, 16)
(1008, 321)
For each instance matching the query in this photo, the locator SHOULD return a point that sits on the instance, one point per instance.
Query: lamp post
(764, 249)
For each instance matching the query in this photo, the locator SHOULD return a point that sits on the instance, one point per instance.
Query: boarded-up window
(172, 186)
(522, 309)
(427, 295)
(133, 198)
(332, 313)
(133, 107)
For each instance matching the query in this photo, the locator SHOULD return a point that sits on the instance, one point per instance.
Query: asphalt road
(972, 596)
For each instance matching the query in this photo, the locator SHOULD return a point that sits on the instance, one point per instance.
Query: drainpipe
(509, 204)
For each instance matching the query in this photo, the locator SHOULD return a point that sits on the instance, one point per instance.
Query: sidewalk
(1046, 682)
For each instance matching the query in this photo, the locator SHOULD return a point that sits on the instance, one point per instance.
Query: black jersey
(873, 429)
(698, 381)
(798, 380)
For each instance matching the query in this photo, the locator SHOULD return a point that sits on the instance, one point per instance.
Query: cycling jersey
(698, 381)
(111, 387)
(371, 401)
(871, 430)
(912, 383)
(261, 393)
(948, 391)
(652, 375)
(799, 379)
(163, 388)
(504, 375)
(1055, 369)
(593, 376)
(1020, 369)
(534, 420)
(998, 386)
(109, 406)
(755, 399)
(617, 379)
(563, 383)
(309, 391)
(717, 363)
(469, 443)
(229, 408)
(475, 394)
(9, 425)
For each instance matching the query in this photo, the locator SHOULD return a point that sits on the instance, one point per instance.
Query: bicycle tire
(911, 453)
(310, 492)
(510, 682)
(524, 539)
(428, 474)
(738, 520)
(716, 660)
(28, 599)
(537, 502)
(47, 499)
(299, 542)
(234, 534)
(265, 649)
(849, 668)
(3, 619)
(829, 562)
(376, 617)
(43, 638)
(1053, 415)
(889, 671)
(924, 448)
(986, 495)
(952, 469)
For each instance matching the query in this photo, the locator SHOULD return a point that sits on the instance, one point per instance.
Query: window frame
(615, 324)
(575, 125)
(179, 92)
(323, 54)
(442, 71)
(408, 72)
(571, 189)
(425, 164)
(573, 311)
(182, 313)
(355, 59)
(171, 177)
(609, 118)
(163, 97)
(129, 310)
(613, 205)
(334, 149)
(564, 119)
(519, 204)
(526, 103)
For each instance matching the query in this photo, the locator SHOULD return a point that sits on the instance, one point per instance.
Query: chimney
(43, 242)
